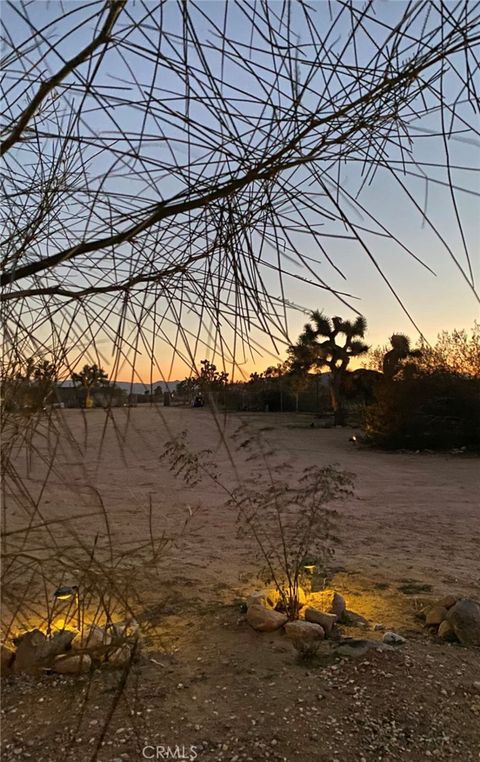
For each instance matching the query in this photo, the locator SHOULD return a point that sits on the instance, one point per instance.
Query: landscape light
(310, 568)
(66, 593)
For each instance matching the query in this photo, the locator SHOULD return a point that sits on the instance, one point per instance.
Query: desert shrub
(291, 522)
(437, 410)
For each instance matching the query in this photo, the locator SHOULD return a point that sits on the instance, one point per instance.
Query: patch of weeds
(411, 587)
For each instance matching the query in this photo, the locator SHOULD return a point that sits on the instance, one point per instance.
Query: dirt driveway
(207, 683)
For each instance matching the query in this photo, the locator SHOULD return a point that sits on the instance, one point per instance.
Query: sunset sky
(442, 300)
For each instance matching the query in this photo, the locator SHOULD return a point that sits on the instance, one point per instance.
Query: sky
(438, 300)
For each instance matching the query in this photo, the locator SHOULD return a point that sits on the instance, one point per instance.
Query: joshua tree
(319, 346)
(31, 386)
(392, 361)
(210, 379)
(89, 377)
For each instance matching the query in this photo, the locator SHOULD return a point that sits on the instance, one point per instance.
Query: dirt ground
(208, 687)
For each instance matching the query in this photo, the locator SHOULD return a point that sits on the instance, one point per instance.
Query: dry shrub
(292, 523)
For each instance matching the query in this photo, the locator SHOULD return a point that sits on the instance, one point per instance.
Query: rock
(72, 664)
(378, 627)
(319, 617)
(129, 628)
(353, 619)
(354, 647)
(93, 638)
(305, 636)
(7, 659)
(36, 652)
(267, 598)
(446, 632)
(59, 643)
(120, 656)
(447, 601)
(394, 639)
(435, 615)
(30, 653)
(464, 617)
(329, 601)
(265, 620)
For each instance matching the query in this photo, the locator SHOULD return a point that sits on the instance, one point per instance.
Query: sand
(412, 528)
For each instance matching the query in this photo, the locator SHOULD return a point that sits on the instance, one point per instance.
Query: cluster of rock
(319, 617)
(69, 652)
(454, 619)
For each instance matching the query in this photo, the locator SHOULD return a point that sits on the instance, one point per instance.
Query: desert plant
(290, 522)
(90, 377)
(330, 344)
(293, 524)
(456, 351)
(29, 386)
(394, 359)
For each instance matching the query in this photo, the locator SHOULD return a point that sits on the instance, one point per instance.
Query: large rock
(464, 617)
(72, 664)
(30, 653)
(59, 643)
(329, 601)
(305, 636)
(265, 620)
(35, 651)
(435, 615)
(319, 617)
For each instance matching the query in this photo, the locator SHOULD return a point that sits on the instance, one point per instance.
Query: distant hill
(137, 387)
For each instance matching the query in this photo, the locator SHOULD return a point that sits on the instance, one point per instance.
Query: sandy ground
(205, 679)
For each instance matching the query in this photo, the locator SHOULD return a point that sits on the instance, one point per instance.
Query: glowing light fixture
(65, 593)
(68, 593)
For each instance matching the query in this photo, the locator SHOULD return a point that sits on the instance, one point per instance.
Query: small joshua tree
(400, 351)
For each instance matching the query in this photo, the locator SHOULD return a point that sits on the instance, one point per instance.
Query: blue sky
(436, 301)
